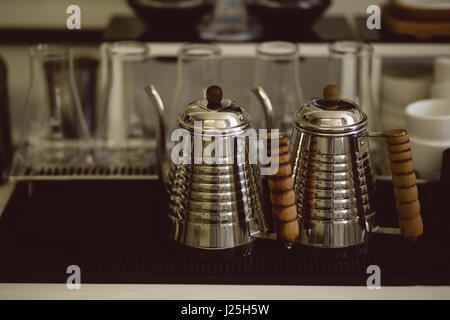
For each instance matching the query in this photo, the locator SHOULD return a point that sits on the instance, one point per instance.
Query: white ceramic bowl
(403, 84)
(427, 157)
(429, 119)
(442, 69)
(440, 90)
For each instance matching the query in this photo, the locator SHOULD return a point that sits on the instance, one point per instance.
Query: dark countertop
(131, 28)
(327, 29)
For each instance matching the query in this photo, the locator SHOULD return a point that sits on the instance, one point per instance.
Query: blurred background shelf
(238, 57)
(325, 30)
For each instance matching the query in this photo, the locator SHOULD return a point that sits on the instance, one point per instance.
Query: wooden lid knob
(214, 96)
(331, 93)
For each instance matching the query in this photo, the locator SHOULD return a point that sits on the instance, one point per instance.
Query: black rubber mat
(114, 231)
(434, 249)
(434, 258)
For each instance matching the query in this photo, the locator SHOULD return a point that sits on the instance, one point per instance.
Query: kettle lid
(330, 114)
(214, 113)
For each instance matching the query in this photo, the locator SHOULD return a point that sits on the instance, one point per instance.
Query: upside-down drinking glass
(54, 130)
(126, 133)
(277, 71)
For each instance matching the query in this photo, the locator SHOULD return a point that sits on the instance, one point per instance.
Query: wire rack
(92, 172)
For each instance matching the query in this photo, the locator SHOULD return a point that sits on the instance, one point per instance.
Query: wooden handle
(282, 196)
(404, 181)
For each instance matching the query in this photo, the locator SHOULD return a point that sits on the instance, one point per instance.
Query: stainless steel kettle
(211, 205)
(333, 178)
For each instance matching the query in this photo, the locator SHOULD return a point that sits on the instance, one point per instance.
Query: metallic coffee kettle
(218, 205)
(333, 178)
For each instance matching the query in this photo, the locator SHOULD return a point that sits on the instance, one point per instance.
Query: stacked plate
(419, 19)
(402, 84)
(441, 84)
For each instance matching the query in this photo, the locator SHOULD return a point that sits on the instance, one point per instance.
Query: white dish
(403, 84)
(442, 69)
(440, 90)
(426, 4)
(429, 119)
(427, 157)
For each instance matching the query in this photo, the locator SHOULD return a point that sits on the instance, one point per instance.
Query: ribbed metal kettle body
(334, 186)
(215, 206)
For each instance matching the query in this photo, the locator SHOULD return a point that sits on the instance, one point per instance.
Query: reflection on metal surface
(217, 205)
(334, 192)
(332, 172)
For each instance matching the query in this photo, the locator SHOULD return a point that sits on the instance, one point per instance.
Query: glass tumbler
(54, 131)
(277, 71)
(126, 133)
(350, 68)
(198, 68)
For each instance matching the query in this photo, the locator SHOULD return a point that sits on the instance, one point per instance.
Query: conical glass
(198, 68)
(278, 72)
(54, 130)
(350, 69)
(126, 132)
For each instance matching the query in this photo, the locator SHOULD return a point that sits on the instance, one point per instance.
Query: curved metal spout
(158, 105)
(264, 100)
(265, 216)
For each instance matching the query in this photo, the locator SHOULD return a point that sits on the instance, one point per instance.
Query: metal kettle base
(212, 254)
(346, 252)
(310, 252)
